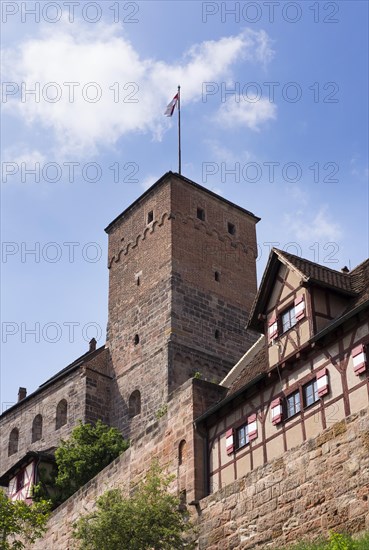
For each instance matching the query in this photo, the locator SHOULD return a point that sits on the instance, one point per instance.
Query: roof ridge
(301, 259)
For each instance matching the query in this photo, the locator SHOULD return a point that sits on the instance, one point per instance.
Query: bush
(151, 519)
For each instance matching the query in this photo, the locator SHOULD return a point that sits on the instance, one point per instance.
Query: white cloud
(23, 155)
(101, 54)
(244, 113)
(313, 228)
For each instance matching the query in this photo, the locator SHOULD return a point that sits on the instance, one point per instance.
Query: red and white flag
(171, 106)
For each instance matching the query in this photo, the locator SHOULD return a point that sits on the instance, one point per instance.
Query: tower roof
(186, 181)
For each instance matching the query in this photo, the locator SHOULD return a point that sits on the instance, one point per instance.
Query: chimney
(345, 269)
(92, 344)
(22, 393)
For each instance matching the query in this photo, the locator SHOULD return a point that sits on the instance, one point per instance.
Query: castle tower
(182, 281)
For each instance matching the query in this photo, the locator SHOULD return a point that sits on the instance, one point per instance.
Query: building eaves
(42, 455)
(61, 374)
(160, 181)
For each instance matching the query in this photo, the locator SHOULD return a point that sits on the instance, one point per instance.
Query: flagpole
(179, 130)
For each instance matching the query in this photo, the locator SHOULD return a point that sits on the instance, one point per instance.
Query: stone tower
(182, 281)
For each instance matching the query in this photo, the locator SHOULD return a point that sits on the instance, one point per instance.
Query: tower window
(61, 414)
(201, 214)
(138, 281)
(134, 403)
(217, 334)
(231, 228)
(150, 216)
(13, 442)
(136, 339)
(37, 428)
(217, 276)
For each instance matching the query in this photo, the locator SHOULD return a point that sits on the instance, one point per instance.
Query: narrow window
(242, 437)
(293, 404)
(182, 452)
(217, 276)
(201, 214)
(61, 414)
(20, 480)
(136, 339)
(138, 281)
(150, 216)
(217, 334)
(13, 442)
(134, 404)
(288, 319)
(231, 228)
(37, 428)
(310, 393)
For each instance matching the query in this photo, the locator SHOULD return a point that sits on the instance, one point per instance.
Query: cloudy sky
(274, 118)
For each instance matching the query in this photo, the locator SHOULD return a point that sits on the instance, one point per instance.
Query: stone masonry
(320, 485)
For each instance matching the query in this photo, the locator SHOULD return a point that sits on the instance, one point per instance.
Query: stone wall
(85, 388)
(320, 485)
(172, 430)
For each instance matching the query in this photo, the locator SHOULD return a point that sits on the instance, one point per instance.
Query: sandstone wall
(320, 485)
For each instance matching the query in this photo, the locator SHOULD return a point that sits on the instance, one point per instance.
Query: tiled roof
(258, 365)
(359, 278)
(316, 272)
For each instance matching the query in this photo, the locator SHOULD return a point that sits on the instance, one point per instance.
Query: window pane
(285, 321)
(243, 436)
(297, 402)
(309, 397)
(311, 393)
(293, 404)
(316, 395)
(288, 319)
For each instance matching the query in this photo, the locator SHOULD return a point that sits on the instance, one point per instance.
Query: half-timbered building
(307, 371)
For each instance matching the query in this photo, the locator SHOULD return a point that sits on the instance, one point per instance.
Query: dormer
(296, 300)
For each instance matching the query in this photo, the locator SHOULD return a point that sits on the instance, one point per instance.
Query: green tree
(151, 519)
(88, 450)
(20, 521)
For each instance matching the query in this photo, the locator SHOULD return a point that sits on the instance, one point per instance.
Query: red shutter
(230, 441)
(273, 328)
(322, 382)
(276, 408)
(300, 307)
(358, 355)
(253, 427)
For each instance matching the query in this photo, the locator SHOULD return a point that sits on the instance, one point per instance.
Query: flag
(171, 106)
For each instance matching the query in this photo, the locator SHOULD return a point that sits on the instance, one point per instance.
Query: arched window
(182, 452)
(134, 404)
(13, 442)
(61, 414)
(37, 428)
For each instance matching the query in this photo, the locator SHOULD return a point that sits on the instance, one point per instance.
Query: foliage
(151, 519)
(162, 411)
(89, 449)
(197, 375)
(336, 541)
(20, 521)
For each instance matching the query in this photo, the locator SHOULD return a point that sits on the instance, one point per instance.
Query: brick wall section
(320, 485)
(87, 392)
(177, 305)
(72, 389)
(161, 439)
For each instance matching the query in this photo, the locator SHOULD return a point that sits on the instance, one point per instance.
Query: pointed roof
(353, 284)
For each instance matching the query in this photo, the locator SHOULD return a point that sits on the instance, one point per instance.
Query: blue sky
(274, 118)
